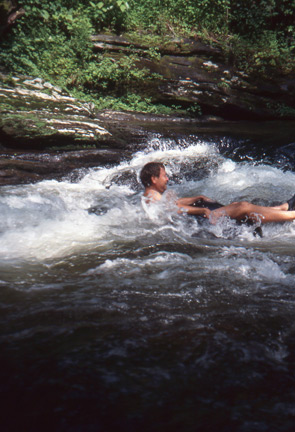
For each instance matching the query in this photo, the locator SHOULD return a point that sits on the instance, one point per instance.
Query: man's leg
(282, 207)
(244, 210)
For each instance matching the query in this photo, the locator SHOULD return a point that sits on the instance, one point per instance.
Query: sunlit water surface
(122, 319)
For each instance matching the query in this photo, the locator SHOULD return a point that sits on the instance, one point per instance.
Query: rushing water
(116, 319)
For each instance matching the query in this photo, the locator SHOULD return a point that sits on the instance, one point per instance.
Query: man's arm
(199, 211)
(184, 204)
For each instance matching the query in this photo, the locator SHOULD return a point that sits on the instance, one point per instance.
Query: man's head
(153, 174)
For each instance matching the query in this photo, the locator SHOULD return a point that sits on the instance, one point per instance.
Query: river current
(114, 318)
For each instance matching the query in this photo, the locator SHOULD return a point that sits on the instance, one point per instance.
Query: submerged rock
(28, 167)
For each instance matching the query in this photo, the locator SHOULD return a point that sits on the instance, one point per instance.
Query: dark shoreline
(131, 131)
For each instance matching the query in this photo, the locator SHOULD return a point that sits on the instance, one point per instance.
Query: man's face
(160, 183)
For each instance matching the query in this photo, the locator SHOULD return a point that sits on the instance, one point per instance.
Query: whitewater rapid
(50, 219)
(117, 317)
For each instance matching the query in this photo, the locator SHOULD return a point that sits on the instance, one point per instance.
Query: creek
(116, 319)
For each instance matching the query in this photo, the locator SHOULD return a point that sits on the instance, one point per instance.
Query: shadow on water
(114, 320)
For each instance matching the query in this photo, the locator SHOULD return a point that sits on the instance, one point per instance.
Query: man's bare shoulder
(152, 196)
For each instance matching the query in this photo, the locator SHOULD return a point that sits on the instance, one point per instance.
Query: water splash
(50, 219)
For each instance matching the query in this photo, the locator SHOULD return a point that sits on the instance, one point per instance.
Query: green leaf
(45, 15)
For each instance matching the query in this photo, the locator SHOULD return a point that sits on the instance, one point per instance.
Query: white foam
(50, 219)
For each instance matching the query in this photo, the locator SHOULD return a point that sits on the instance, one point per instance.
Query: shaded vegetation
(52, 41)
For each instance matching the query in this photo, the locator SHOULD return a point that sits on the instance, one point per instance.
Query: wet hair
(151, 169)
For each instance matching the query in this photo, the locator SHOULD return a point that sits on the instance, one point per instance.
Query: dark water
(121, 320)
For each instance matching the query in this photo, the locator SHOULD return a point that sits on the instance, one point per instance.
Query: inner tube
(211, 205)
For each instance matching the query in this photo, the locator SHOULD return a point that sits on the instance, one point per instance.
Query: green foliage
(282, 110)
(250, 19)
(107, 13)
(154, 54)
(237, 17)
(53, 37)
(113, 74)
(131, 102)
(51, 45)
(270, 54)
(160, 16)
(52, 41)
(194, 110)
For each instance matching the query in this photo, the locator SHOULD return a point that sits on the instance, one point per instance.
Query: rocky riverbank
(191, 72)
(47, 133)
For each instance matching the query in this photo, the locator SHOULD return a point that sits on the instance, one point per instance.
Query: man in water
(154, 178)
